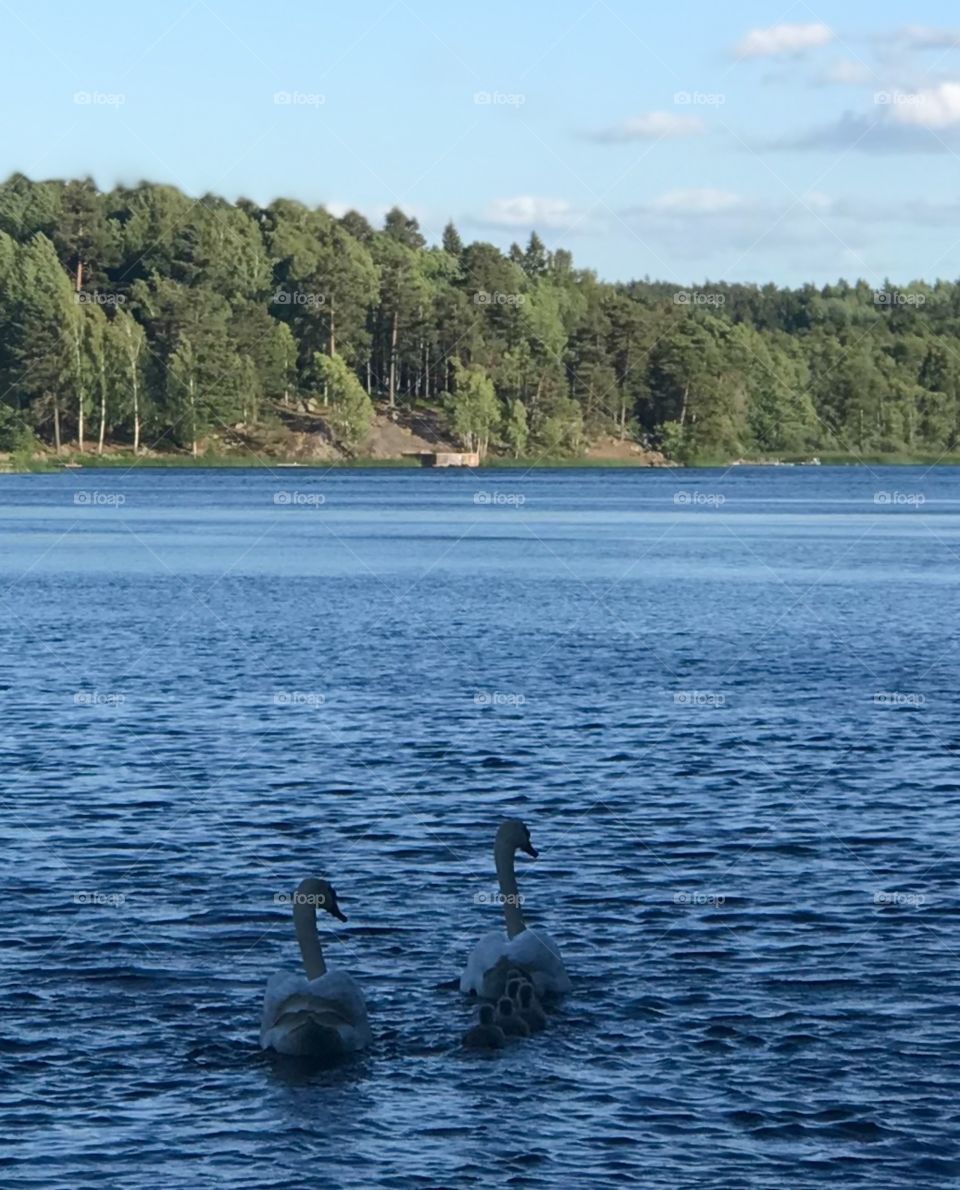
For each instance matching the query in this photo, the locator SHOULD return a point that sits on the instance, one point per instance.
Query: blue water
(724, 703)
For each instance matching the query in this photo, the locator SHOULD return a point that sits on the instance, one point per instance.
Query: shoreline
(77, 462)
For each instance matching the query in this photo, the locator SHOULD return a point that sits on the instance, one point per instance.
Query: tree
(96, 367)
(515, 432)
(185, 392)
(27, 208)
(559, 429)
(42, 334)
(536, 259)
(404, 229)
(452, 244)
(325, 282)
(218, 311)
(83, 236)
(403, 302)
(351, 410)
(125, 346)
(473, 411)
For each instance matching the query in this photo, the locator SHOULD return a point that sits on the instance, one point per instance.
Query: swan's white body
(322, 1014)
(324, 1017)
(533, 951)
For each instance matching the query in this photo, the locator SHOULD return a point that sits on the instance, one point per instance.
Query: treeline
(145, 317)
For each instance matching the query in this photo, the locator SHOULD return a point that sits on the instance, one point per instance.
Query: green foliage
(674, 442)
(560, 431)
(473, 410)
(351, 411)
(515, 430)
(15, 436)
(142, 315)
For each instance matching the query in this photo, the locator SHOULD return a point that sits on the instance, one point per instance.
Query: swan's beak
(530, 850)
(338, 913)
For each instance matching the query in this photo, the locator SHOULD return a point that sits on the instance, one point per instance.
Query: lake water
(725, 703)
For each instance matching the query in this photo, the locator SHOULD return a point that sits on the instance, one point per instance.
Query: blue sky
(682, 141)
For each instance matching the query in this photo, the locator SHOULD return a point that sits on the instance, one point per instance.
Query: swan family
(322, 1014)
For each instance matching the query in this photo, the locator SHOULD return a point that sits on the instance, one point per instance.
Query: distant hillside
(149, 319)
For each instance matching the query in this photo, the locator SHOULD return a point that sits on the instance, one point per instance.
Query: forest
(145, 319)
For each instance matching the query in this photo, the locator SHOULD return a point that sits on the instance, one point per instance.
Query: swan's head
(526, 995)
(514, 834)
(505, 1006)
(485, 1014)
(513, 989)
(321, 895)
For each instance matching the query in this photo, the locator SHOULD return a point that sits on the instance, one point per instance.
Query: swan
(324, 1014)
(533, 952)
(508, 1020)
(485, 1034)
(529, 1010)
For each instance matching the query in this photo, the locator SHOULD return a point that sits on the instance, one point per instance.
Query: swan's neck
(503, 854)
(305, 923)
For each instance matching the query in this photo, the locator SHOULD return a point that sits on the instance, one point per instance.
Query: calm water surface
(725, 704)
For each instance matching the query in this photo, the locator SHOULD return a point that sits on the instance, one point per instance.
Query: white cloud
(933, 107)
(777, 40)
(702, 201)
(527, 211)
(846, 72)
(919, 120)
(816, 200)
(650, 126)
(734, 235)
(921, 37)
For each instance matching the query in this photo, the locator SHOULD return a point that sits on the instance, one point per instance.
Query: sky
(684, 141)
